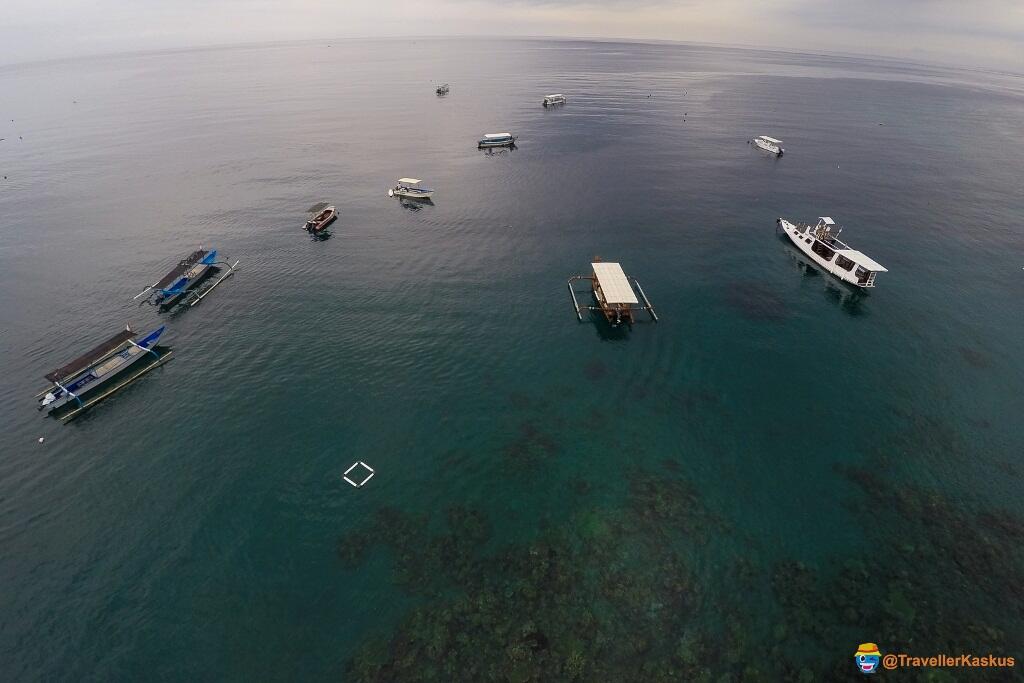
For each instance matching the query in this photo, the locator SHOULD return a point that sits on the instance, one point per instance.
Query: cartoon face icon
(867, 657)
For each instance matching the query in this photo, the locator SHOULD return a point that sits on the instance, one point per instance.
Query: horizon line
(596, 39)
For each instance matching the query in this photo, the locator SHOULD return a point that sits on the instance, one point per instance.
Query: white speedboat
(768, 144)
(407, 187)
(497, 140)
(821, 244)
(551, 100)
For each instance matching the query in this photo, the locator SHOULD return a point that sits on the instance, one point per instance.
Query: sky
(985, 33)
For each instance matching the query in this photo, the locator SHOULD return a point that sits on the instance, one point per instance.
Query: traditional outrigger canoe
(181, 283)
(319, 222)
(616, 300)
(94, 375)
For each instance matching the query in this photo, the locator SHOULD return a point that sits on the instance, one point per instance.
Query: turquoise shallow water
(801, 458)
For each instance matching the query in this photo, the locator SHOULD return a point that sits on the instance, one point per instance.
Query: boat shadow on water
(498, 151)
(322, 236)
(607, 331)
(415, 204)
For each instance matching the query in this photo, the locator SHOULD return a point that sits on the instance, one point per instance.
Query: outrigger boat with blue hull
(93, 376)
(181, 284)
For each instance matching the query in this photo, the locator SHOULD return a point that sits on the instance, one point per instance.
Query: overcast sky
(969, 32)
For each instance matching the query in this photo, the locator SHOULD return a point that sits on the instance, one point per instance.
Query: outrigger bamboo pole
(650, 308)
(574, 302)
(231, 271)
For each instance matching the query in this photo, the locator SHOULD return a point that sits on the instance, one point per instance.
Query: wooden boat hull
(319, 224)
(195, 277)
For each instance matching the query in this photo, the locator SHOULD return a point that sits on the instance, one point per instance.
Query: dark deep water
(779, 470)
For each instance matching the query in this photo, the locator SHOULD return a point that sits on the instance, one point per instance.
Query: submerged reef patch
(635, 591)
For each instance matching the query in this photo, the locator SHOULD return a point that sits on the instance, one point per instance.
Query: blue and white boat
(497, 140)
(101, 371)
(182, 282)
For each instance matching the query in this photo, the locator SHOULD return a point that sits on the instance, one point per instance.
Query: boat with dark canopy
(181, 283)
(101, 371)
(318, 222)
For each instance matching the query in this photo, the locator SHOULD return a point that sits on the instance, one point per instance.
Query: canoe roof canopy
(497, 135)
(87, 359)
(614, 284)
(186, 263)
(409, 181)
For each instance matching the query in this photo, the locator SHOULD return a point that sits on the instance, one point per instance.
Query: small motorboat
(101, 371)
(552, 100)
(822, 245)
(407, 187)
(768, 144)
(442, 89)
(318, 222)
(497, 140)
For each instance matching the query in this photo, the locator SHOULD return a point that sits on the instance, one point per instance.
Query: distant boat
(551, 100)
(442, 89)
(182, 281)
(497, 140)
(821, 244)
(91, 377)
(406, 187)
(768, 144)
(319, 222)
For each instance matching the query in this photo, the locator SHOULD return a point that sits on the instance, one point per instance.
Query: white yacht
(551, 100)
(407, 187)
(768, 144)
(821, 244)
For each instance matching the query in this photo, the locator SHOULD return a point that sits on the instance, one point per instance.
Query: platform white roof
(775, 140)
(862, 259)
(498, 135)
(826, 220)
(614, 284)
(409, 181)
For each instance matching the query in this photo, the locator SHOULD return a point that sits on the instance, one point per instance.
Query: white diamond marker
(359, 463)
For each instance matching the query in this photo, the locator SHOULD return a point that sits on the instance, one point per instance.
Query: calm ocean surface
(779, 470)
